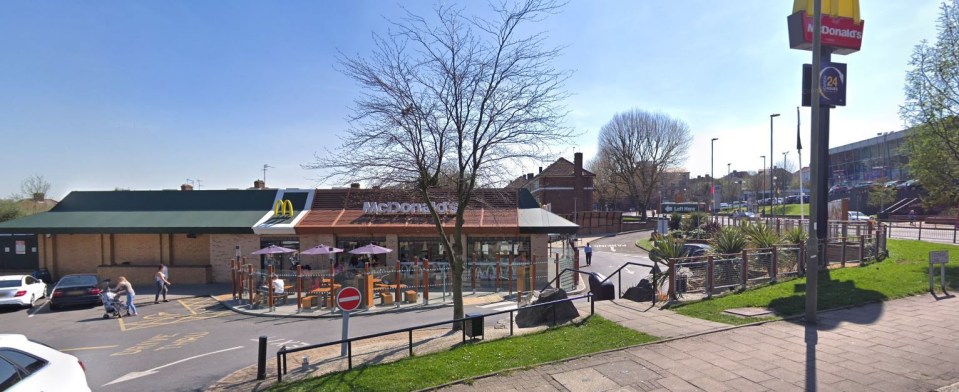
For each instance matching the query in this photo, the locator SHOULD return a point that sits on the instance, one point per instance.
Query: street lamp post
(728, 182)
(771, 117)
(712, 177)
(784, 184)
(762, 183)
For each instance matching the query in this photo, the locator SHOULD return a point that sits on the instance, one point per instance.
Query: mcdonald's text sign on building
(841, 26)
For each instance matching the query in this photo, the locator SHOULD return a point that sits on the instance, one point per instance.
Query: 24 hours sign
(831, 84)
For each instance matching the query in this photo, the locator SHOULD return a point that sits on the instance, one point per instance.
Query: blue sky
(145, 95)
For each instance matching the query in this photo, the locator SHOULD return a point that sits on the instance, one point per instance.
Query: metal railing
(283, 352)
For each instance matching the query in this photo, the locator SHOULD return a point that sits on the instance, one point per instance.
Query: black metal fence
(281, 355)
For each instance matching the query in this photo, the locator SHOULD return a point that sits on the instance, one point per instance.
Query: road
(182, 345)
(610, 253)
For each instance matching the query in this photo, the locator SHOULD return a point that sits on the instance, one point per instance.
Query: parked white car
(22, 290)
(858, 216)
(26, 365)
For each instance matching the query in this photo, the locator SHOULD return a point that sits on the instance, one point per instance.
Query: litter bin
(474, 325)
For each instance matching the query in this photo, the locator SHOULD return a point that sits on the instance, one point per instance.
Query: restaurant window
(486, 248)
(429, 247)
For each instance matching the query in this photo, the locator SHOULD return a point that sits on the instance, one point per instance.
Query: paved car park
(186, 344)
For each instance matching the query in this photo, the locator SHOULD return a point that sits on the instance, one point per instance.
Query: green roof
(112, 212)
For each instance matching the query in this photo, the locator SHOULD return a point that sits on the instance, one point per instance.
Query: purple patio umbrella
(321, 250)
(273, 249)
(370, 250)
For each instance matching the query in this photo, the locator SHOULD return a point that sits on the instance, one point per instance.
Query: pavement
(909, 344)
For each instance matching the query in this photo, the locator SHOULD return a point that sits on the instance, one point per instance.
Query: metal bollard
(261, 360)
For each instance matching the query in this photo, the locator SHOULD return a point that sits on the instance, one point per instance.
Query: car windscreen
(78, 281)
(10, 283)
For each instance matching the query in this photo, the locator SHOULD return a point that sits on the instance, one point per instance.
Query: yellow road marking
(123, 327)
(186, 306)
(89, 348)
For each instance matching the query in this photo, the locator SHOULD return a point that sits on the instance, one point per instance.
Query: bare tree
(640, 146)
(452, 101)
(34, 185)
(609, 193)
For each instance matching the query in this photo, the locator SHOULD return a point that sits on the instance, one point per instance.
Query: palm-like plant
(663, 250)
(761, 236)
(796, 236)
(729, 240)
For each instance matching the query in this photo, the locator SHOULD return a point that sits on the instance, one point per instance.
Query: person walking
(912, 217)
(124, 287)
(589, 254)
(161, 284)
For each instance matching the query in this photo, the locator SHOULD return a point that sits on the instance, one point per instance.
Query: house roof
(562, 168)
(205, 211)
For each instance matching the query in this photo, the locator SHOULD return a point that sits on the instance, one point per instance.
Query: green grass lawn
(904, 273)
(645, 243)
(475, 359)
(788, 209)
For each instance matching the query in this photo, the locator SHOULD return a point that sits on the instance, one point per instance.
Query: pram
(111, 304)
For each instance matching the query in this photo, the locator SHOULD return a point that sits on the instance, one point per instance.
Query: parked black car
(77, 289)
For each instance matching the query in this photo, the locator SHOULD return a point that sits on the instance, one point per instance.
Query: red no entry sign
(348, 299)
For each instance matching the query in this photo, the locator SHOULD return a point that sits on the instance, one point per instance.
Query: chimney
(529, 176)
(541, 169)
(579, 197)
(355, 185)
(39, 196)
(259, 184)
(186, 187)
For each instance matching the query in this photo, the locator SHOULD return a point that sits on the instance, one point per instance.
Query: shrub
(669, 248)
(760, 235)
(711, 228)
(729, 240)
(796, 236)
(694, 220)
(697, 234)
(674, 221)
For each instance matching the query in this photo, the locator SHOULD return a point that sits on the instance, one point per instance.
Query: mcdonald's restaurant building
(196, 233)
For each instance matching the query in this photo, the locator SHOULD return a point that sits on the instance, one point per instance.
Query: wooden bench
(307, 302)
(386, 298)
(409, 296)
(280, 298)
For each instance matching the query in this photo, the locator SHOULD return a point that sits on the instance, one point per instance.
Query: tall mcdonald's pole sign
(823, 27)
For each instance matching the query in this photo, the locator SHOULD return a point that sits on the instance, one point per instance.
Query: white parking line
(36, 309)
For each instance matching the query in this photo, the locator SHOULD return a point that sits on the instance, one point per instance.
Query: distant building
(563, 187)
(879, 158)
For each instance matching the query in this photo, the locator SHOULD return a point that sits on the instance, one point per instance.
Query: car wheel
(54, 307)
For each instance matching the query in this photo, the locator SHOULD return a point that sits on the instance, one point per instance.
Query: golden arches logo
(835, 8)
(281, 208)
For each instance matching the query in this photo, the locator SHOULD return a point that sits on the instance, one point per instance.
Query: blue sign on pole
(831, 81)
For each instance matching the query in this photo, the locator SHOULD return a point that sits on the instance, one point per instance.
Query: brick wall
(76, 254)
(138, 249)
(190, 251)
(223, 249)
